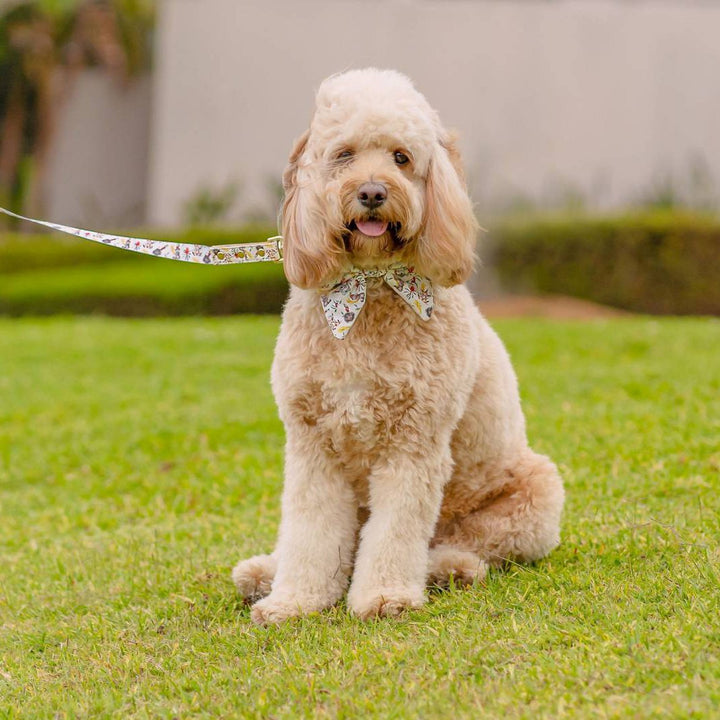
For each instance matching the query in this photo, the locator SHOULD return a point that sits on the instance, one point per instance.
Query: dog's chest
(352, 401)
(354, 407)
(353, 415)
(350, 411)
(390, 378)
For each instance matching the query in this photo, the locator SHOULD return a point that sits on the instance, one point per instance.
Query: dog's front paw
(276, 608)
(253, 578)
(272, 612)
(385, 603)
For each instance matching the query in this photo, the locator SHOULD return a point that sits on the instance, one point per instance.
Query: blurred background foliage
(43, 45)
(661, 258)
(659, 262)
(663, 261)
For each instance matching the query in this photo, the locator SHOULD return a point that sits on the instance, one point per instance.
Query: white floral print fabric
(343, 301)
(269, 251)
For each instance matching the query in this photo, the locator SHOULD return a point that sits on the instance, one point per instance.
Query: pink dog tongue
(372, 228)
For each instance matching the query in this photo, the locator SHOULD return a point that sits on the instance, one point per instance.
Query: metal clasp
(278, 240)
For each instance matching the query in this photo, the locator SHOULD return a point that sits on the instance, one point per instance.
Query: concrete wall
(599, 99)
(99, 164)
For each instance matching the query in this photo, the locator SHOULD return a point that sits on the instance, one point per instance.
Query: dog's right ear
(311, 255)
(446, 251)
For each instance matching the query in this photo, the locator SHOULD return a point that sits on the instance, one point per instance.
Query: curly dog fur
(406, 460)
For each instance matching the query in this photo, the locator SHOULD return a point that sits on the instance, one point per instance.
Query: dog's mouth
(375, 228)
(371, 228)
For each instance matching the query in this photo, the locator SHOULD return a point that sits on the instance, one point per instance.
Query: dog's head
(375, 180)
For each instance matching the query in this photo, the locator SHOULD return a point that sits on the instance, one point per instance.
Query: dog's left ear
(446, 249)
(311, 252)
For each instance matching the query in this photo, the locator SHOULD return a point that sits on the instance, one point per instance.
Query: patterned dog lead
(268, 251)
(341, 302)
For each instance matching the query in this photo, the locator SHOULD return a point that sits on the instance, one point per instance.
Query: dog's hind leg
(253, 577)
(463, 566)
(507, 511)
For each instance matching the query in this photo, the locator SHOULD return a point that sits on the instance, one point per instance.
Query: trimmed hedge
(44, 275)
(660, 263)
(664, 263)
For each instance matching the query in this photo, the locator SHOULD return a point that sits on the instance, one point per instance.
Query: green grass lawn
(140, 459)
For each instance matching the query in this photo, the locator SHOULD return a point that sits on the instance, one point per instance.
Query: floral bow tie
(343, 301)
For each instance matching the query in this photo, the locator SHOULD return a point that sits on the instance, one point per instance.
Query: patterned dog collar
(343, 301)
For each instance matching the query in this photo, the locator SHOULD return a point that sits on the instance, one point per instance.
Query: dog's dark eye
(344, 155)
(401, 158)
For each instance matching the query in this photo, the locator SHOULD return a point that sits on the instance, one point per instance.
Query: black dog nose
(372, 195)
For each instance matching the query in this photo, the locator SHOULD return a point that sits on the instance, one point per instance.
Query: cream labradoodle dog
(406, 458)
